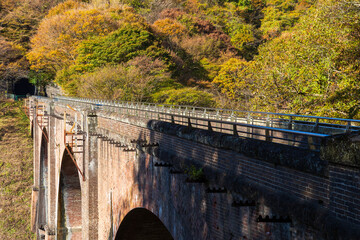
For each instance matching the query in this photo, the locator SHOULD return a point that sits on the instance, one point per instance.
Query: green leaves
(185, 96)
(119, 46)
(305, 70)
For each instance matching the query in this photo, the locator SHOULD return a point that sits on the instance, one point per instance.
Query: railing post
(267, 135)
(209, 126)
(316, 127)
(248, 119)
(267, 131)
(348, 126)
(290, 123)
(311, 143)
(235, 130)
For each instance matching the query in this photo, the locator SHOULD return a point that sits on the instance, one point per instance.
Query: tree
(308, 69)
(55, 43)
(12, 63)
(119, 46)
(232, 79)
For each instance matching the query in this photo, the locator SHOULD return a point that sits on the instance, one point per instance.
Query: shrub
(135, 80)
(63, 7)
(119, 46)
(232, 78)
(170, 27)
(185, 96)
(200, 47)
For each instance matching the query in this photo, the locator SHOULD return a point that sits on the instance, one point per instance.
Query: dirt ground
(16, 177)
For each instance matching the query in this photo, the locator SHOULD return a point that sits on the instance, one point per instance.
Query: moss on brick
(343, 149)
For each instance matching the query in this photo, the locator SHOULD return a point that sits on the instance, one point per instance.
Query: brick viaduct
(109, 170)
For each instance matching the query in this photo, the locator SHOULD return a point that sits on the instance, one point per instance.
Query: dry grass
(15, 172)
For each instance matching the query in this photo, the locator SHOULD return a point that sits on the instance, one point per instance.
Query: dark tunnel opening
(23, 87)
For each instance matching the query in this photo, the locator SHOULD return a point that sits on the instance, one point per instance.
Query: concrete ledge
(343, 149)
(278, 154)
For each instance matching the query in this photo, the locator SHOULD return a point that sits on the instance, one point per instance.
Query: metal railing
(304, 123)
(289, 129)
(15, 96)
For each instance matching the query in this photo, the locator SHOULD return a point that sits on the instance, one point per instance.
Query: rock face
(53, 90)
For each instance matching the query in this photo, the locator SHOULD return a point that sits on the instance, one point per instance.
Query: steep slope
(15, 172)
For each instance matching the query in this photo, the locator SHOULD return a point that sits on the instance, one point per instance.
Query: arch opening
(43, 185)
(69, 201)
(141, 224)
(23, 87)
(32, 129)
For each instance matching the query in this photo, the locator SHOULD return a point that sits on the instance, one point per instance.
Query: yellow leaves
(241, 36)
(232, 78)
(170, 27)
(63, 7)
(18, 48)
(53, 46)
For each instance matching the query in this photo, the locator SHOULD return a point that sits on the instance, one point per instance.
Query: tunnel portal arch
(69, 201)
(23, 87)
(142, 224)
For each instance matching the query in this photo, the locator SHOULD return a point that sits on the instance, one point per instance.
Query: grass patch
(16, 172)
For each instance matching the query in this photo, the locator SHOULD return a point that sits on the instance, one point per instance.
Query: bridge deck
(290, 129)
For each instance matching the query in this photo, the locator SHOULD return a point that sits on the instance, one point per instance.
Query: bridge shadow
(43, 189)
(190, 210)
(242, 198)
(228, 205)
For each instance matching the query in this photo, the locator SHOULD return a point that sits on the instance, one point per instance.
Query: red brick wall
(339, 192)
(69, 215)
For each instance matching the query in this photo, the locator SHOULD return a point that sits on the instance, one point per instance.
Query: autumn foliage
(297, 56)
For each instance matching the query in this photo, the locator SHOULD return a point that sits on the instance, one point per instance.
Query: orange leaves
(12, 64)
(63, 7)
(170, 27)
(53, 47)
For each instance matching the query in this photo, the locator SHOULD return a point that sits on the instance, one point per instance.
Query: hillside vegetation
(15, 172)
(297, 56)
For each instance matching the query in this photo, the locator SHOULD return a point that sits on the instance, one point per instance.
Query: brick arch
(43, 183)
(69, 201)
(142, 224)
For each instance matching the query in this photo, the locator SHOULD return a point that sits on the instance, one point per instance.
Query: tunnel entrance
(23, 87)
(141, 224)
(69, 202)
(43, 191)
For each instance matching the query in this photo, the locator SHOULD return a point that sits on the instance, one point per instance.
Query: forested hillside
(298, 56)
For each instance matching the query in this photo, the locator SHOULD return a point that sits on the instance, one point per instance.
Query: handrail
(288, 136)
(294, 132)
(309, 134)
(207, 113)
(108, 102)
